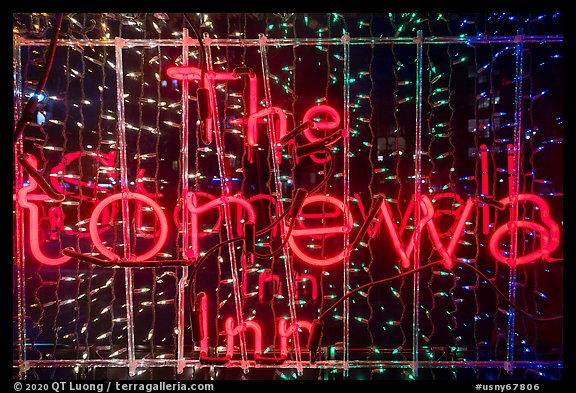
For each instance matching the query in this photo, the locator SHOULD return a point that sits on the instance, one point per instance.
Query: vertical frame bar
(184, 212)
(280, 207)
(227, 215)
(19, 257)
(346, 175)
(417, 208)
(515, 179)
(121, 126)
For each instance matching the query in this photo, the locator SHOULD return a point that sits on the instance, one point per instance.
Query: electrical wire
(330, 172)
(410, 272)
(284, 242)
(201, 48)
(30, 107)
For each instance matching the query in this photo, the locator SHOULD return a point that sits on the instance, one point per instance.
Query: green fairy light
(333, 352)
(439, 103)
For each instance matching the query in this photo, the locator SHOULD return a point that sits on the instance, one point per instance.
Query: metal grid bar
(324, 364)
(299, 41)
(129, 277)
(417, 197)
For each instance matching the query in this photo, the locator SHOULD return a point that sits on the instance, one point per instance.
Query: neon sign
(104, 212)
(320, 118)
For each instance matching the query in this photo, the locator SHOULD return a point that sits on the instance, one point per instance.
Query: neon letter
(319, 231)
(192, 205)
(301, 277)
(484, 185)
(194, 73)
(232, 331)
(59, 171)
(287, 332)
(138, 197)
(548, 242)
(265, 277)
(33, 225)
(280, 129)
(321, 125)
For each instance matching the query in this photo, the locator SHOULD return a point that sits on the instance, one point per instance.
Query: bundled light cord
(32, 103)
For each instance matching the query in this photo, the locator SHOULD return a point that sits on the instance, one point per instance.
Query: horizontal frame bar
(479, 39)
(325, 364)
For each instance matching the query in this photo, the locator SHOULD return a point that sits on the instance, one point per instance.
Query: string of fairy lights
(402, 94)
(80, 308)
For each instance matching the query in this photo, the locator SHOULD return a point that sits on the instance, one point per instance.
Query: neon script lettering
(103, 215)
(231, 330)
